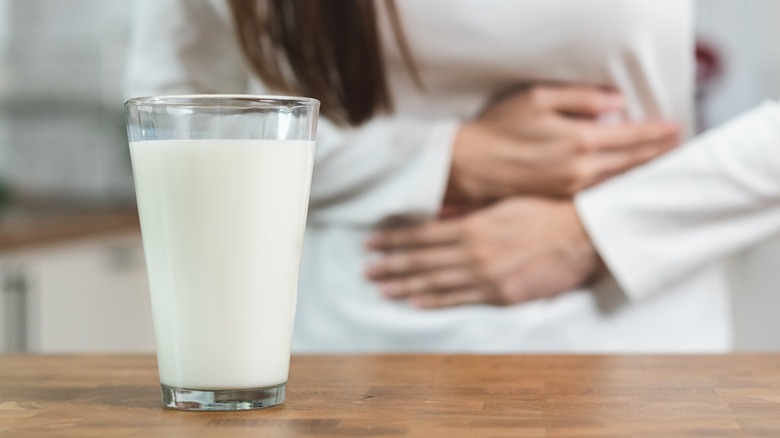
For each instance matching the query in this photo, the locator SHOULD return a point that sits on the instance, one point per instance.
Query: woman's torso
(466, 51)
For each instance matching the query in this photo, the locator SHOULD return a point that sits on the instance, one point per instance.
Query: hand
(547, 140)
(518, 250)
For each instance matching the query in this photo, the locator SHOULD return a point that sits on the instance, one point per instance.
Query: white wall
(61, 120)
(748, 35)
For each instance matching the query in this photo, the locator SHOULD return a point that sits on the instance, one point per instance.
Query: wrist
(461, 188)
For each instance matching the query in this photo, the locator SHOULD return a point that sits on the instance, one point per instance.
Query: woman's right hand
(548, 140)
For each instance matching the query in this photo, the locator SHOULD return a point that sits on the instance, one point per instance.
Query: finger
(606, 166)
(455, 211)
(415, 260)
(627, 135)
(435, 281)
(450, 299)
(432, 233)
(581, 100)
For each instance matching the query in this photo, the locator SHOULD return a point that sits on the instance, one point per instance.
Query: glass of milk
(222, 184)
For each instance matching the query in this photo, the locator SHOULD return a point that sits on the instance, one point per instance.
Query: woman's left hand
(518, 250)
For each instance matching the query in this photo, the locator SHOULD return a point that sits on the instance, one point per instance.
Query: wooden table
(425, 396)
(24, 226)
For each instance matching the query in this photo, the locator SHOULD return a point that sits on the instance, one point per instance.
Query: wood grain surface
(24, 227)
(413, 395)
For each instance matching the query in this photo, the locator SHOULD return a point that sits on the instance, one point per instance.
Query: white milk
(222, 224)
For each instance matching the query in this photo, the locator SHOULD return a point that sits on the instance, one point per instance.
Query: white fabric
(397, 165)
(692, 207)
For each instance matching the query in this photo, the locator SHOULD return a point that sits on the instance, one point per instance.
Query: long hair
(326, 49)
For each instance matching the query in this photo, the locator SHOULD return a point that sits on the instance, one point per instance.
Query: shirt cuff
(611, 236)
(433, 169)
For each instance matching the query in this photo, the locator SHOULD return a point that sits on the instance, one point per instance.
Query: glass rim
(196, 99)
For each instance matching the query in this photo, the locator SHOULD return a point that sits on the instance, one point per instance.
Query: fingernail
(372, 242)
(613, 101)
(418, 303)
(671, 126)
(372, 271)
(389, 289)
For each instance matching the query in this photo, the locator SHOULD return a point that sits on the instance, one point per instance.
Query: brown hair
(326, 49)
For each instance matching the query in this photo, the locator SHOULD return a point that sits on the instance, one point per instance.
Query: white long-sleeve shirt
(397, 164)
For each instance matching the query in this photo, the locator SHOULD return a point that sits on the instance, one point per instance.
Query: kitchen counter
(25, 225)
(411, 395)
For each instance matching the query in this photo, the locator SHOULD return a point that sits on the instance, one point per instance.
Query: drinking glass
(222, 184)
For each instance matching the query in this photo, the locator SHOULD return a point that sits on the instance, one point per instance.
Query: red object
(709, 69)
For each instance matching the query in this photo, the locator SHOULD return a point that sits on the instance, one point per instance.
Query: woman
(452, 135)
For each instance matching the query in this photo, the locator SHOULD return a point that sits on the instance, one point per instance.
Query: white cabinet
(87, 296)
(12, 305)
(756, 297)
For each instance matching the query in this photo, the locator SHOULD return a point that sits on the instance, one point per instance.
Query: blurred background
(71, 265)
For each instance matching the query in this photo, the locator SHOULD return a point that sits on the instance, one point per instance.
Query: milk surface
(222, 224)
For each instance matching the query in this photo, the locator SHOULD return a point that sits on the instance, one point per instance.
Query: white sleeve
(389, 166)
(715, 196)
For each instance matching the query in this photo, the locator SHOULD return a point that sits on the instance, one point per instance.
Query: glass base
(222, 399)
